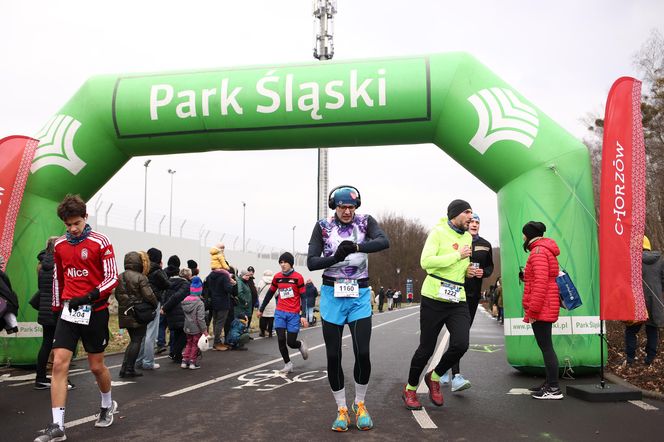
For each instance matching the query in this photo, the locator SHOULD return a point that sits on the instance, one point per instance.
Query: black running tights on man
(433, 316)
(360, 332)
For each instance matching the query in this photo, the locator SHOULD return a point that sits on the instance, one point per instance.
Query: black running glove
(344, 249)
(91, 297)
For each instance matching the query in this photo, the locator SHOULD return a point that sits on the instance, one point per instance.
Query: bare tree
(407, 239)
(650, 62)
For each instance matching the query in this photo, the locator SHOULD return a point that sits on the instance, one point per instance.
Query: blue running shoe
(342, 421)
(362, 419)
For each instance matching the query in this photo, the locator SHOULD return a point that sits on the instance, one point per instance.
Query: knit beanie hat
(457, 207)
(533, 229)
(174, 261)
(476, 217)
(196, 287)
(192, 264)
(287, 257)
(154, 255)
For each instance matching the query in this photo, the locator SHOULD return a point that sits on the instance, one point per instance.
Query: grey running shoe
(52, 433)
(304, 350)
(105, 418)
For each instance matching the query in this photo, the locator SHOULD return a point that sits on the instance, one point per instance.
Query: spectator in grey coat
(653, 283)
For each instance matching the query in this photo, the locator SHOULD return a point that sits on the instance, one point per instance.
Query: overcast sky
(562, 56)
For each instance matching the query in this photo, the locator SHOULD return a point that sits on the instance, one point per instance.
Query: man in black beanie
(289, 314)
(159, 283)
(481, 266)
(193, 266)
(445, 258)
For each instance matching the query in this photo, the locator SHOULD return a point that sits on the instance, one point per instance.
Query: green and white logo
(56, 145)
(503, 117)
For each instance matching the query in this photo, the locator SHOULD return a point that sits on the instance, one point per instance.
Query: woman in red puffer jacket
(541, 301)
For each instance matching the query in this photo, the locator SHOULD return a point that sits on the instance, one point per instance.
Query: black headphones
(330, 198)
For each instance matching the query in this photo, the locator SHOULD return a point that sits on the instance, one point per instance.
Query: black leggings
(433, 316)
(542, 331)
(291, 341)
(136, 336)
(44, 351)
(266, 324)
(360, 332)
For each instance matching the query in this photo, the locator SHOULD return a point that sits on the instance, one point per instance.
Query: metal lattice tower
(324, 11)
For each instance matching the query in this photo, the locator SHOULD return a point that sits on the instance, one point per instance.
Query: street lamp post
(170, 220)
(244, 212)
(294, 240)
(398, 282)
(145, 197)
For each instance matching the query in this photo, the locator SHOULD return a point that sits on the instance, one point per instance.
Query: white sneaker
(459, 383)
(288, 368)
(304, 350)
(445, 379)
(154, 367)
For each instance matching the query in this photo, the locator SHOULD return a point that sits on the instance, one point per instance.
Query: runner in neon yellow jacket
(445, 257)
(441, 257)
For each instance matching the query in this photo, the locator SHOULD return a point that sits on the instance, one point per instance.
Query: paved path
(239, 396)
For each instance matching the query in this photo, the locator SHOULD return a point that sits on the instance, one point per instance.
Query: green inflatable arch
(538, 170)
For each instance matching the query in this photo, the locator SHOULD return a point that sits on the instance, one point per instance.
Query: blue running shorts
(342, 311)
(289, 321)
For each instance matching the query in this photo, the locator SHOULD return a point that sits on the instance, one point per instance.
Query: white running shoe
(459, 383)
(288, 368)
(304, 350)
(445, 379)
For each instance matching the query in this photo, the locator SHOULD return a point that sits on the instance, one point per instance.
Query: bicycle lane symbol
(268, 380)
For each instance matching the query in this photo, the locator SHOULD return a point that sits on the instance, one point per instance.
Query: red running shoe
(410, 399)
(435, 394)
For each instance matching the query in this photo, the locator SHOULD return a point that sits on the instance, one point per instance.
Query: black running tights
(360, 332)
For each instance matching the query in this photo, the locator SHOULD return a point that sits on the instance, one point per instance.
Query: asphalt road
(239, 396)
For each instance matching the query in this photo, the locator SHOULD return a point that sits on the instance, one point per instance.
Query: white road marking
(519, 391)
(120, 383)
(87, 419)
(423, 419)
(33, 376)
(421, 416)
(422, 388)
(264, 364)
(644, 405)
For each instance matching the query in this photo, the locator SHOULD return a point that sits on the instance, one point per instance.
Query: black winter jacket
(158, 281)
(221, 288)
(482, 254)
(173, 298)
(46, 315)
